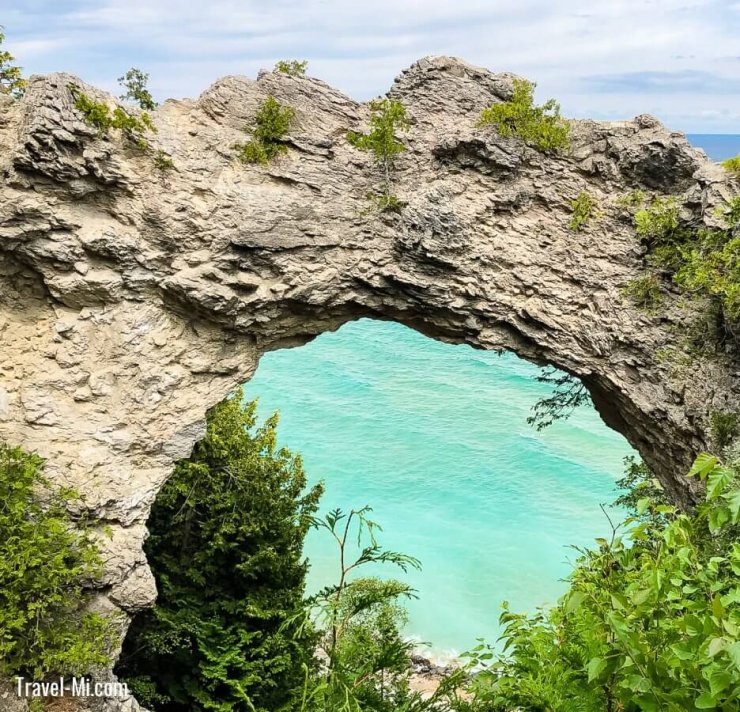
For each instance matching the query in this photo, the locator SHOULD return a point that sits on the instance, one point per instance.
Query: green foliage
(387, 116)
(255, 152)
(226, 543)
(712, 265)
(134, 82)
(360, 619)
(637, 486)
(387, 203)
(651, 621)
(541, 127)
(733, 165)
(293, 67)
(633, 199)
(12, 82)
(724, 427)
(658, 222)
(731, 212)
(271, 124)
(46, 558)
(702, 262)
(644, 291)
(163, 162)
(568, 394)
(99, 115)
(583, 208)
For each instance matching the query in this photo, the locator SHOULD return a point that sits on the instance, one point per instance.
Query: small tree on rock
(135, 83)
(292, 67)
(269, 128)
(541, 127)
(387, 117)
(12, 82)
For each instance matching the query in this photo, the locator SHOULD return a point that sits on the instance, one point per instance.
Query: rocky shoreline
(426, 675)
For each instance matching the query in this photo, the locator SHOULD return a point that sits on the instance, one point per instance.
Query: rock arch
(132, 300)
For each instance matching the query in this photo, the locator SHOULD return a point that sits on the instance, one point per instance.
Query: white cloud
(360, 47)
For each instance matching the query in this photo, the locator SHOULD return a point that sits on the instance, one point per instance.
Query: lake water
(434, 437)
(717, 146)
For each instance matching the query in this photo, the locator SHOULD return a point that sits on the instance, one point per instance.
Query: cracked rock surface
(132, 299)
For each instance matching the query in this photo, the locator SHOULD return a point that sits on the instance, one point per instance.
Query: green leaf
(733, 652)
(706, 701)
(717, 608)
(719, 680)
(684, 650)
(575, 599)
(717, 481)
(640, 596)
(703, 465)
(716, 646)
(718, 517)
(733, 503)
(595, 667)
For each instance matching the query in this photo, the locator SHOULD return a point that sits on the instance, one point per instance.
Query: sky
(613, 59)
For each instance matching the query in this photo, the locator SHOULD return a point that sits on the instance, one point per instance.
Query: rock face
(132, 299)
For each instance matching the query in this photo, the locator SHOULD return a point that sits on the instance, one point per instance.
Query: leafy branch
(568, 394)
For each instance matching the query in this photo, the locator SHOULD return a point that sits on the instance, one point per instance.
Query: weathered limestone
(132, 300)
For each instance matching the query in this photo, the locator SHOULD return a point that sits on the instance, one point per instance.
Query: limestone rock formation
(133, 299)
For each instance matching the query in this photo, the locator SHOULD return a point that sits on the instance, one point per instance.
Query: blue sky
(677, 59)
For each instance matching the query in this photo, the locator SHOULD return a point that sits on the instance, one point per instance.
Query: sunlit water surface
(434, 437)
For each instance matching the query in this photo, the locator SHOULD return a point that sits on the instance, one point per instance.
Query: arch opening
(435, 438)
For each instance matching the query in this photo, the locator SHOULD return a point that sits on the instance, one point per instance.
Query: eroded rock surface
(131, 300)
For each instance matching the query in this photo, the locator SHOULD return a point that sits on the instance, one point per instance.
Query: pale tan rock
(131, 301)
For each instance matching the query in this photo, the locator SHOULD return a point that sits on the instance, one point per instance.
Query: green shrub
(633, 199)
(227, 532)
(703, 262)
(271, 124)
(292, 67)
(134, 82)
(659, 226)
(387, 116)
(637, 484)
(583, 207)
(711, 266)
(651, 620)
(733, 165)
(255, 152)
(99, 115)
(387, 203)
(12, 82)
(731, 212)
(163, 162)
(46, 558)
(541, 127)
(658, 223)
(724, 427)
(644, 291)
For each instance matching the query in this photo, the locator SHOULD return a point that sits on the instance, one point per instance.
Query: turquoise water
(434, 437)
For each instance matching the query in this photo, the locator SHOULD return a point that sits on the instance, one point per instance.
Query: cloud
(687, 81)
(610, 59)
